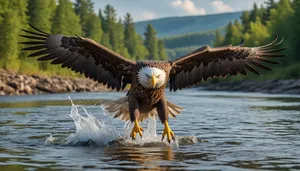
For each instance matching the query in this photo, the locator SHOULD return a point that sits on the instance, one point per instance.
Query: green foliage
(161, 50)
(246, 20)
(93, 28)
(141, 51)
(84, 9)
(120, 44)
(219, 39)
(64, 17)
(282, 17)
(105, 41)
(65, 20)
(130, 36)
(13, 18)
(109, 23)
(36, 9)
(151, 42)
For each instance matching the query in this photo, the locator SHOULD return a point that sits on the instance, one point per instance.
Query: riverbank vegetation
(65, 17)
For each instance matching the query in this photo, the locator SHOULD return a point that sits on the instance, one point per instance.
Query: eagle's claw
(136, 129)
(169, 132)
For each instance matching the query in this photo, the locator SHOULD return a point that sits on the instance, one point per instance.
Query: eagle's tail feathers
(120, 109)
(173, 109)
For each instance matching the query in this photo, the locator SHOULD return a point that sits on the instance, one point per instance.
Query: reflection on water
(235, 131)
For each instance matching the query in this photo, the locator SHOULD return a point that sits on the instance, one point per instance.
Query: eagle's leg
(162, 110)
(134, 115)
(168, 132)
(136, 129)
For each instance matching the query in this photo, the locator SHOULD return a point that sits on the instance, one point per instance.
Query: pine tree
(161, 50)
(281, 14)
(237, 32)
(109, 25)
(254, 13)
(269, 5)
(151, 42)
(141, 50)
(219, 39)
(65, 20)
(105, 41)
(41, 14)
(258, 33)
(84, 9)
(246, 20)
(102, 20)
(120, 45)
(262, 12)
(229, 34)
(13, 18)
(93, 28)
(130, 36)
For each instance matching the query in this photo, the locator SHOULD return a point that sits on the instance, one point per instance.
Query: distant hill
(173, 26)
(189, 39)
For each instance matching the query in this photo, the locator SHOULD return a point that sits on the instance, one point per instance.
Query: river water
(217, 131)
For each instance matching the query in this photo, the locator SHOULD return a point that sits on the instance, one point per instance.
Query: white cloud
(219, 6)
(148, 15)
(188, 7)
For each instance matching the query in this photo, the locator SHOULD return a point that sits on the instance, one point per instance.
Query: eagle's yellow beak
(154, 80)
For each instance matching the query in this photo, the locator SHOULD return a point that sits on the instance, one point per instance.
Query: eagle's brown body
(147, 100)
(105, 66)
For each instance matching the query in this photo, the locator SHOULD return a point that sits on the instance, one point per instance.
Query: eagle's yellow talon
(168, 131)
(136, 129)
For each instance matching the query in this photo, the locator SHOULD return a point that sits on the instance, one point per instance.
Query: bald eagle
(148, 79)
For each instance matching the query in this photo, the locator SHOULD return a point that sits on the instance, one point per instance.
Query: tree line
(260, 25)
(189, 39)
(67, 18)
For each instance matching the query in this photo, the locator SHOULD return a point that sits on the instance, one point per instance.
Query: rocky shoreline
(291, 86)
(12, 83)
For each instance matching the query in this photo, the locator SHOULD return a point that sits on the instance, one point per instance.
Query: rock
(57, 88)
(19, 77)
(21, 86)
(28, 89)
(44, 88)
(8, 90)
(32, 81)
(2, 93)
(13, 84)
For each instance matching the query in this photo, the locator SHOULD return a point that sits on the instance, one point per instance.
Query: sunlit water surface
(217, 131)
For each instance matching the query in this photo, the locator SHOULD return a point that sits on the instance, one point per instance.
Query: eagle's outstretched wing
(207, 62)
(81, 55)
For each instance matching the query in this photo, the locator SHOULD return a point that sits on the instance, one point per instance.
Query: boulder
(8, 90)
(28, 89)
(44, 88)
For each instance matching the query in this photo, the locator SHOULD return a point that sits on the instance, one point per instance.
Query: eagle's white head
(150, 77)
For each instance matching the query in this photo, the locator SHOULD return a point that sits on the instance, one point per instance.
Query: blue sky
(152, 9)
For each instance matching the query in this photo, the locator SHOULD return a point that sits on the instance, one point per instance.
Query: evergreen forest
(70, 18)
(78, 17)
(260, 25)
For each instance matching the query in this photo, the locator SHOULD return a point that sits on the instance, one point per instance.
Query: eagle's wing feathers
(81, 55)
(207, 62)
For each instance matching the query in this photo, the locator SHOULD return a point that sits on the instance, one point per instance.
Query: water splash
(91, 130)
